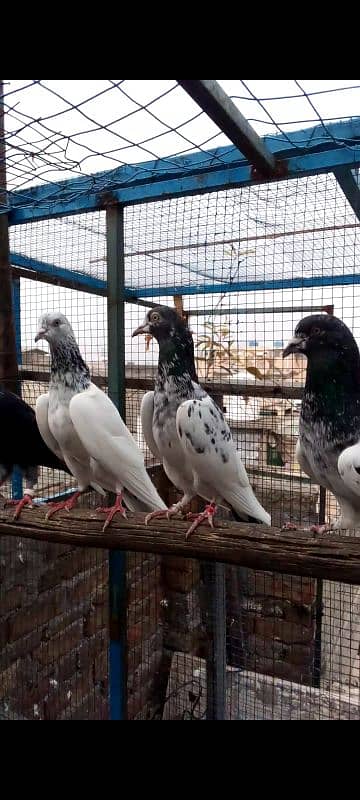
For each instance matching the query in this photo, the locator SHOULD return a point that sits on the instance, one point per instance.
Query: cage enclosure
(179, 201)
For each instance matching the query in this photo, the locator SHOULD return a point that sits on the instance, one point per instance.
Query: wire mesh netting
(278, 645)
(243, 265)
(282, 660)
(54, 637)
(300, 228)
(63, 129)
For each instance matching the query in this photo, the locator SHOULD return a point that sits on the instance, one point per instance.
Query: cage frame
(335, 148)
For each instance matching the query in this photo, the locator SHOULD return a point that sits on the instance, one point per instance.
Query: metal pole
(350, 187)
(17, 478)
(116, 362)
(319, 603)
(222, 110)
(224, 312)
(8, 363)
(214, 580)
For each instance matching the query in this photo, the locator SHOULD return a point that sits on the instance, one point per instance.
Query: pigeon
(184, 429)
(81, 425)
(21, 445)
(328, 448)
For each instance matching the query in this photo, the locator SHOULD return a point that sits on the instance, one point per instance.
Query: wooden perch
(276, 391)
(333, 557)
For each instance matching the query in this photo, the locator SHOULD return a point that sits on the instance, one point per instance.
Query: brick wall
(270, 618)
(52, 631)
(54, 627)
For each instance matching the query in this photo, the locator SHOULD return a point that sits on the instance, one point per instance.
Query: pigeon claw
(289, 526)
(319, 529)
(65, 505)
(206, 516)
(25, 501)
(165, 512)
(118, 508)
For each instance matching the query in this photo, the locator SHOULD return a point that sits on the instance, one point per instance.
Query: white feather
(55, 426)
(217, 468)
(41, 413)
(109, 443)
(146, 416)
(348, 464)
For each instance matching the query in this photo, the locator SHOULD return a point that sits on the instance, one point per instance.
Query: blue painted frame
(83, 282)
(305, 152)
(87, 283)
(350, 186)
(117, 652)
(247, 286)
(17, 478)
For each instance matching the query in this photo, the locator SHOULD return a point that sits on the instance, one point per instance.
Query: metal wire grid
(147, 657)
(86, 312)
(61, 129)
(54, 634)
(276, 668)
(155, 633)
(295, 228)
(190, 227)
(54, 641)
(291, 642)
(239, 335)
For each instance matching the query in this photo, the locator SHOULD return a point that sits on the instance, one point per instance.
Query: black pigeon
(186, 430)
(21, 445)
(328, 449)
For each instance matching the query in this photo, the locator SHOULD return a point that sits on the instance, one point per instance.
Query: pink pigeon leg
(65, 505)
(205, 516)
(117, 508)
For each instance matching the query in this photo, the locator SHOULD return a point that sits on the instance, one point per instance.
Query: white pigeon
(187, 432)
(81, 425)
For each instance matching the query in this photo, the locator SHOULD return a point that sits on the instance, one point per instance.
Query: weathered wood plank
(334, 557)
(276, 391)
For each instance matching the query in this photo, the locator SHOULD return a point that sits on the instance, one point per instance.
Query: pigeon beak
(296, 345)
(40, 334)
(145, 328)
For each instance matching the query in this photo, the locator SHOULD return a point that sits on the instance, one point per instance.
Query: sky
(119, 122)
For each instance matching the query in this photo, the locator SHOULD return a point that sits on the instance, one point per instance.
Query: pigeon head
(322, 335)
(176, 346)
(162, 323)
(55, 328)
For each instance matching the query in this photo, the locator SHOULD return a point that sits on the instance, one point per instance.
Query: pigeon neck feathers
(67, 365)
(176, 360)
(332, 390)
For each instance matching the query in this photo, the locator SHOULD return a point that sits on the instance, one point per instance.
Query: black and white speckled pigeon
(81, 425)
(328, 448)
(187, 432)
(21, 445)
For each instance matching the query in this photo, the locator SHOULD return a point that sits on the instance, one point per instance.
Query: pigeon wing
(146, 416)
(41, 412)
(107, 440)
(207, 443)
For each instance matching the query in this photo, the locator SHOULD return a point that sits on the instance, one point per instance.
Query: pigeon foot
(205, 516)
(118, 508)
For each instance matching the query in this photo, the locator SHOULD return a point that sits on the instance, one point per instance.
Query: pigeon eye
(57, 322)
(155, 317)
(315, 331)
